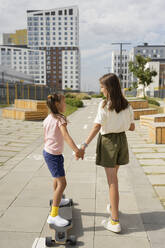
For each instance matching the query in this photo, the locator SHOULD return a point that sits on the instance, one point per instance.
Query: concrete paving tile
(27, 165)
(7, 153)
(11, 185)
(143, 150)
(153, 217)
(35, 199)
(154, 169)
(82, 190)
(160, 150)
(17, 239)
(3, 173)
(151, 162)
(81, 178)
(156, 235)
(120, 241)
(29, 220)
(43, 172)
(83, 226)
(11, 149)
(4, 159)
(156, 179)
(160, 191)
(150, 155)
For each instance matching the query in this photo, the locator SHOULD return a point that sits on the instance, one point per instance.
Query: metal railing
(11, 91)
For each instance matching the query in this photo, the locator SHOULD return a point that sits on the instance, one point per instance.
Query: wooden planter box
(21, 114)
(26, 110)
(157, 132)
(148, 111)
(138, 104)
(145, 119)
(30, 104)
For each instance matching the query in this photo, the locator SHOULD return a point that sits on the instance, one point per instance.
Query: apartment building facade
(116, 66)
(52, 38)
(17, 38)
(28, 61)
(57, 32)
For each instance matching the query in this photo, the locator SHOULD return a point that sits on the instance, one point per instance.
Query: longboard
(61, 233)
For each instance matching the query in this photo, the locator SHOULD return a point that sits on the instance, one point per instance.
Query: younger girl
(114, 117)
(55, 132)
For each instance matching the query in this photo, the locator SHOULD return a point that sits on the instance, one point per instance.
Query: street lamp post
(121, 50)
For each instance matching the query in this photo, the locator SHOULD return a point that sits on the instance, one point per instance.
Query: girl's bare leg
(59, 187)
(111, 174)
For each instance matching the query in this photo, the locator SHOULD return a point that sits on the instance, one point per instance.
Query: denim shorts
(55, 164)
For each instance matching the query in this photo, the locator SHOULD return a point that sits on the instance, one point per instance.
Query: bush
(86, 98)
(152, 101)
(70, 95)
(97, 95)
(74, 102)
(80, 96)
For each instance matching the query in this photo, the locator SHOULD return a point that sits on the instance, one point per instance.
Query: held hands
(80, 154)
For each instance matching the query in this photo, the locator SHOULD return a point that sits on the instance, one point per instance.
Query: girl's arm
(70, 142)
(92, 134)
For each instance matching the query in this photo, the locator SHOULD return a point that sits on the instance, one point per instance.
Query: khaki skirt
(112, 150)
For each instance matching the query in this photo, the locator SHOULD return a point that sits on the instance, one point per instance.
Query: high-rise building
(53, 36)
(57, 32)
(17, 38)
(151, 51)
(116, 66)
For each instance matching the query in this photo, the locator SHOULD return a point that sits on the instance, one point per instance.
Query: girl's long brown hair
(51, 103)
(114, 94)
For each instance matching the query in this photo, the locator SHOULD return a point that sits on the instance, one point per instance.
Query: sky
(101, 23)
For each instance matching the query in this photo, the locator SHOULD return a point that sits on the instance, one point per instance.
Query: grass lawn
(70, 109)
(160, 109)
(4, 105)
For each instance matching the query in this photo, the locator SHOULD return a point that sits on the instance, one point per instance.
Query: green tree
(144, 75)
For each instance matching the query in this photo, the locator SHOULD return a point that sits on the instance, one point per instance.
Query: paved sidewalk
(26, 187)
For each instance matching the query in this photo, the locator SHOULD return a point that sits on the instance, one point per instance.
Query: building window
(70, 11)
(60, 12)
(53, 13)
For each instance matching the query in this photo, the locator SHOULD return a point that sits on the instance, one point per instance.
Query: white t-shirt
(113, 122)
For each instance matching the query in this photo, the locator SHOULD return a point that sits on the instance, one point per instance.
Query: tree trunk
(144, 91)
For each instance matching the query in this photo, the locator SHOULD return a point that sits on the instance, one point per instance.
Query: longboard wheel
(49, 242)
(71, 240)
(50, 203)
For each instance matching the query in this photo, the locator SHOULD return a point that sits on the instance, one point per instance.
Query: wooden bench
(157, 132)
(147, 111)
(145, 119)
(138, 104)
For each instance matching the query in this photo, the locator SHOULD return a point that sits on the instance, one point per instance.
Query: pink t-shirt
(53, 138)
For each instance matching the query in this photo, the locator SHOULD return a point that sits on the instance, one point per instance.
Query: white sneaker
(57, 221)
(108, 208)
(111, 227)
(64, 201)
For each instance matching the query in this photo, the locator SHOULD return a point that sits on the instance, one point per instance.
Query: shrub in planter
(74, 102)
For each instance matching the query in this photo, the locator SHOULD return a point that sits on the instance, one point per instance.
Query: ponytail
(51, 103)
